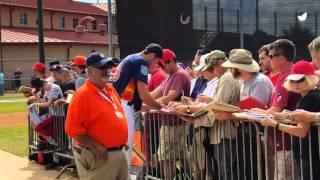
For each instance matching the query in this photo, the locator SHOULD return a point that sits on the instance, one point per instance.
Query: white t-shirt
(50, 79)
(259, 86)
(54, 93)
(211, 87)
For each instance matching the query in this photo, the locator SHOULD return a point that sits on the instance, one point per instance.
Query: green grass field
(14, 139)
(12, 102)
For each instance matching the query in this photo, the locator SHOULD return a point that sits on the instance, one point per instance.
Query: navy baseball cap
(97, 59)
(37, 82)
(54, 62)
(155, 48)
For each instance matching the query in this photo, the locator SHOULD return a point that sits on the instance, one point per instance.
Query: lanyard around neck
(110, 100)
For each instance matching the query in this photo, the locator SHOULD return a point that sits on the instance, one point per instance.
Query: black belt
(128, 103)
(78, 149)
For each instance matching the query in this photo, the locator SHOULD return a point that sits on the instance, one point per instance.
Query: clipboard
(213, 106)
(251, 115)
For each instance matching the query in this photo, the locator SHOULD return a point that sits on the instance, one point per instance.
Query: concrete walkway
(16, 168)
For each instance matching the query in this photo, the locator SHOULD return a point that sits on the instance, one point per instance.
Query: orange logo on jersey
(129, 91)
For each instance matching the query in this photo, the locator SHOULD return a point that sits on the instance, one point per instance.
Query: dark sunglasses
(274, 55)
(298, 81)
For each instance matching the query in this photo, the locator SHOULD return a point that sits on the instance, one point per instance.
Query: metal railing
(189, 153)
(176, 149)
(59, 149)
(255, 152)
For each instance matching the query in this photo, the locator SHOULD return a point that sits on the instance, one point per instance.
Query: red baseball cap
(167, 55)
(78, 60)
(300, 69)
(39, 67)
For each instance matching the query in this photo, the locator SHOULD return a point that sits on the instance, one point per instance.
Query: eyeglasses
(298, 81)
(274, 55)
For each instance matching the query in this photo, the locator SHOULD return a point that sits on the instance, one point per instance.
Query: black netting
(215, 24)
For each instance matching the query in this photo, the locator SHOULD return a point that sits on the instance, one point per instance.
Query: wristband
(277, 126)
(188, 109)
(317, 117)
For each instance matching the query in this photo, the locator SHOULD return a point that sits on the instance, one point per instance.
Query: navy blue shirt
(131, 70)
(199, 87)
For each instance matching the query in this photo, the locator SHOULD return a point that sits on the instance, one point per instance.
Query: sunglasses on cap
(298, 81)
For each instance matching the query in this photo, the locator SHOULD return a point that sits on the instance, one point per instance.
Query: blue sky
(95, 1)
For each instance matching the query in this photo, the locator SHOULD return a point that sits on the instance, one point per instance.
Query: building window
(62, 22)
(23, 19)
(94, 25)
(75, 23)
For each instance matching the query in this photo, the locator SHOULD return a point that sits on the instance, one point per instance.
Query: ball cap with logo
(97, 59)
(299, 70)
(78, 60)
(212, 59)
(167, 56)
(39, 67)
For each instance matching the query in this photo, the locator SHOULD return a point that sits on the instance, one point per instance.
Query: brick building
(19, 34)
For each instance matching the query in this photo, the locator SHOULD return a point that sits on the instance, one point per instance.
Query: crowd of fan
(279, 83)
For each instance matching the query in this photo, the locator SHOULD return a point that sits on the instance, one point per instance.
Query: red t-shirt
(273, 79)
(314, 66)
(179, 81)
(156, 79)
(286, 100)
(281, 97)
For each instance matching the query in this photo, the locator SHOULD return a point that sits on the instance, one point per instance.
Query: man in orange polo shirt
(97, 123)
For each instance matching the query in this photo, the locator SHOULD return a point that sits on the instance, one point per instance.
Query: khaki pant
(285, 163)
(198, 152)
(172, 143)
(115, 168)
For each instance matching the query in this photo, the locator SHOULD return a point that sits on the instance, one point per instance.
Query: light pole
(111, 53)
(241, 23)
(1, 52)
(40, 33)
